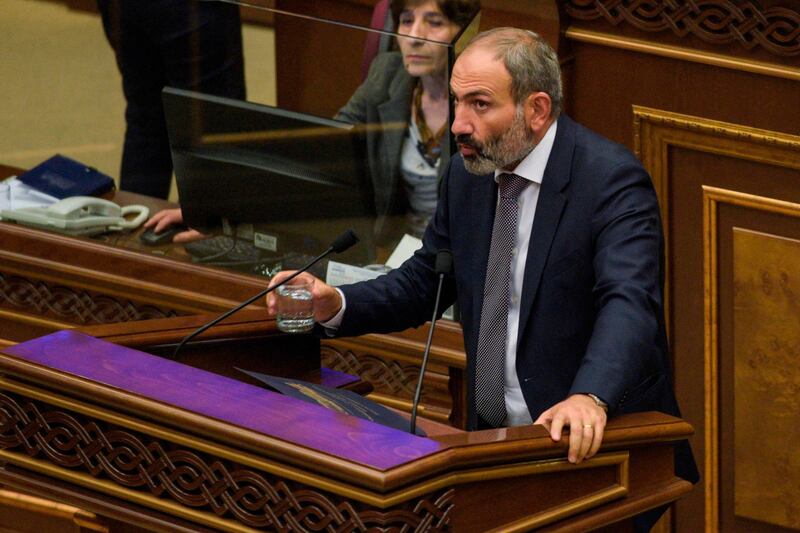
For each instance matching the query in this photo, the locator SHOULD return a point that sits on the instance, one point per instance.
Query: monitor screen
(249, 163)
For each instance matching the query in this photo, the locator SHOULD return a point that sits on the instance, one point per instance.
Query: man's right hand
(327, 300)
(170, 217)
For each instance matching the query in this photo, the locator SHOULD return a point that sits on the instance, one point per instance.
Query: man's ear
(537, 113)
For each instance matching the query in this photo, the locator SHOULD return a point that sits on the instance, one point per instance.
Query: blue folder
(343, 401)
(63, 177)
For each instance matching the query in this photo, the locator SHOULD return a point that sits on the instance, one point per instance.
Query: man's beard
(501, 151)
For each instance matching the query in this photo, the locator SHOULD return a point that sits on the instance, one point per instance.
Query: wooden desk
(52, 282)
(151, 444)
(188, 466)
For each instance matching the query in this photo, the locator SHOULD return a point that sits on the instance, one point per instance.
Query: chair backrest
(376, 42)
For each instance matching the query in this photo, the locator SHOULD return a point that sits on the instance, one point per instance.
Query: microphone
(443, 267)
(339, 244)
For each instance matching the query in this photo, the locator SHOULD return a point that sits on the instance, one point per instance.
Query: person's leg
(644, 522)
(201, 47)
(146, 161)
(186, 44)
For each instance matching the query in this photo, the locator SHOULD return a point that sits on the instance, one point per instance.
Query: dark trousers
(188, 44)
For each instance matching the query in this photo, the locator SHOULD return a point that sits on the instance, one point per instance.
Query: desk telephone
(79, 215)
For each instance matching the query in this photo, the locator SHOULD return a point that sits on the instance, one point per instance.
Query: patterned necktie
(490, 363)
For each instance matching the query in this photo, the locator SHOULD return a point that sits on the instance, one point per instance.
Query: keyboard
(224, 249)
(244, 256)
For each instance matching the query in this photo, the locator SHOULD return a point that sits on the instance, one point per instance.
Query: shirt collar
(532, 167)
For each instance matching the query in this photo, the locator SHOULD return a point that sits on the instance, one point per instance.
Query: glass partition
(287, 125)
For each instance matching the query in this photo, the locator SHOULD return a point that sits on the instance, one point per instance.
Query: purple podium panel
(225, 399)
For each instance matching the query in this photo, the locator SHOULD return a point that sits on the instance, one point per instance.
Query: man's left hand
(586, 421)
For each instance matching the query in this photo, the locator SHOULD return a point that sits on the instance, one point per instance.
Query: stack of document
(343, 274)
(15, 195)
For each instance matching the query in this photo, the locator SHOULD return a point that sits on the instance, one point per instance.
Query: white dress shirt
(530, 168)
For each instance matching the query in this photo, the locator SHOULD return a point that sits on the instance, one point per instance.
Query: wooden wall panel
(766, 382)
(609, 81)
(691, 160)
(733, 449)
(318, 75)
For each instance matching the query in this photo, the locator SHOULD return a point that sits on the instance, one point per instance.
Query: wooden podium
(150, 444)
(134, 441)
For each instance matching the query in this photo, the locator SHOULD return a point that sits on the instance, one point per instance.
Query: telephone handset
(79, 215)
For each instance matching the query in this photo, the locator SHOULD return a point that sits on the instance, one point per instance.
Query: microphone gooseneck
(340, 244)
(442, 267)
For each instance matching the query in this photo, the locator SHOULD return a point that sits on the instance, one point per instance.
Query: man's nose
(461, 126)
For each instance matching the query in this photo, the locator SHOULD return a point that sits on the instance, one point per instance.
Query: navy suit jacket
(591, 317)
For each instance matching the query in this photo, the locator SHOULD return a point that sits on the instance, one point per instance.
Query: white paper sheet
(20, 195)
(405, 249)
(343, 274)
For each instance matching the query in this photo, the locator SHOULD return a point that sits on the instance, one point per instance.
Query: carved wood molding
(385, 376)
(771, 146)
(745, 22)
(188, 483)
(70, 304)
(393, 381)
(713, 197)
(656, 131)
(679, 53)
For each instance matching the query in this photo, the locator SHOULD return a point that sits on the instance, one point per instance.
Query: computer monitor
(249, 163)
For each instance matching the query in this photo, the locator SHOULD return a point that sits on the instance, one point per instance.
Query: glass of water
(295, 308)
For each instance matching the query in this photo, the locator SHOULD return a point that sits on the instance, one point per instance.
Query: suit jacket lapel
(393, 115)
(476, 232)
(481, 220)
(548, 213)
